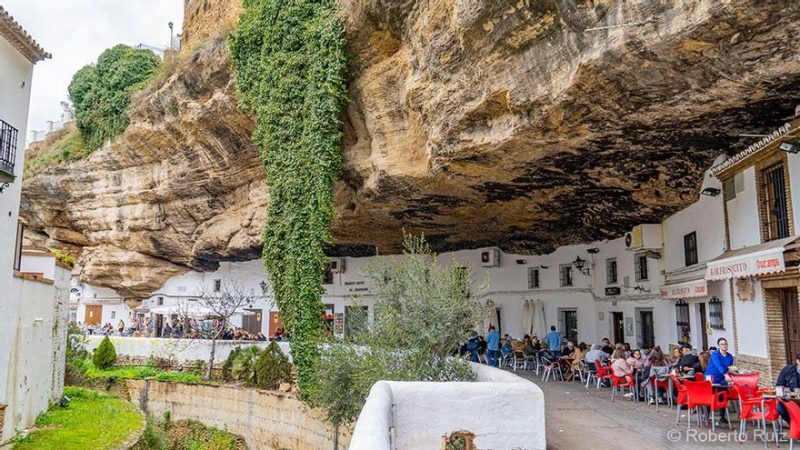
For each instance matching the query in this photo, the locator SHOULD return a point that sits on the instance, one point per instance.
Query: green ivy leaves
(290, 62)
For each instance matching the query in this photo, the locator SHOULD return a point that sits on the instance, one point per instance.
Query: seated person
(789, 378)
(720, 362)
(596, 353)
(621, 367)
(688, 361)
(605, 345)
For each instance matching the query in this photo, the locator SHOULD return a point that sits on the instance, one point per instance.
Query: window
(533, 277)
(733, 186)
(565, 275)
(611, 271)
(113, 314)
(640, 266)
(463, 280)
(327, 275)
(682, 322)
(715, 313)
(8, 150)
(160, 301)
(217, 285)
(775, 218)
(690, 248)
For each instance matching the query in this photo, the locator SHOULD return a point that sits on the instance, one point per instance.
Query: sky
(75, 32)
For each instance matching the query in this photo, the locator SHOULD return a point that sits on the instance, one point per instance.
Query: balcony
(8, 152)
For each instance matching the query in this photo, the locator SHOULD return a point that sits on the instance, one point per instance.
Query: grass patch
(139, 373)
(91, 421)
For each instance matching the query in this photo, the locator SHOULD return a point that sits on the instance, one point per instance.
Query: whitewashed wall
(35, 263)
(15, 89)
(794, 183)
(743, 214)
(418, 414)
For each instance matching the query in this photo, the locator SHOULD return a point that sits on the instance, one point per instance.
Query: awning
(686, 289)
(758, 259)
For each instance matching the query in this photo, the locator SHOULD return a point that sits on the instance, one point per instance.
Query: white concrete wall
(44, 264)
(15, 89)
(743, 214)
(421, 413)
(35, 372)
(181, 350)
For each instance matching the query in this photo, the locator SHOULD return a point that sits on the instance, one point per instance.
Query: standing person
(789, 378)
(553, 339)
(493, 346)
(121, 327)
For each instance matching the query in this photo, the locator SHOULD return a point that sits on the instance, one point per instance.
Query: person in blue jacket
(553, 339)
(718, 365)
(493, 346)
(719, 362)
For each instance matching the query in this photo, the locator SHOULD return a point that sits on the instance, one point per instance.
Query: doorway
(275, 323)
(618, 327)
(791, 323)
(568, 324)
(497, 325)
(93, 314)
(355, 319)
(701, 308)
(646, 328)
(252, 323)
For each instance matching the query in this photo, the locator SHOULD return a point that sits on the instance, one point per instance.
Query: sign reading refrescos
(688, 289)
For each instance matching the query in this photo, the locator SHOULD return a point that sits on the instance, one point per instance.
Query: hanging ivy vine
(290, 63)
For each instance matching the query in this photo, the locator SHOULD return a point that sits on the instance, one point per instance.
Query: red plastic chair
(604, 372)
(621, 383)
(794, 425)
(699, 377)
(750, 409)
(700, 393)
(681, 400)
(745, 381)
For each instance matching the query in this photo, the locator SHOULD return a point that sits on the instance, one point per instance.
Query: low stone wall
(266, 419)
(503, 411)
(180, 350)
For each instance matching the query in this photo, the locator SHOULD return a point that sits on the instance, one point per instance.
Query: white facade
(18, 53)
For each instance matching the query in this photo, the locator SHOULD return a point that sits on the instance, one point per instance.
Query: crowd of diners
(639, 367)
(179, 328)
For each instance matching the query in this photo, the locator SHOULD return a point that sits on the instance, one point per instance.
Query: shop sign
(612, 290)
(690, 289)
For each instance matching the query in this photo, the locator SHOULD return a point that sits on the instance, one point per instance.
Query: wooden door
(647, 331)
(94, 313)
(275, 323)
(618, 324)
(791, 323)
(703, 326)
(252, 324)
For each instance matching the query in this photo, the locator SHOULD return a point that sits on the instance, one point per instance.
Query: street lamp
(170, 33)
(579, 263)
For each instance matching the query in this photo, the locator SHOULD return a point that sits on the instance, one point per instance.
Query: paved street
(581, 418)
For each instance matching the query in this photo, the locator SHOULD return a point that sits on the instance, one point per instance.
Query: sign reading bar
(612, 290)
(689, 289)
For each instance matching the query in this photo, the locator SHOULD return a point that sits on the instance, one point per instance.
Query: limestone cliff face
(522, 124)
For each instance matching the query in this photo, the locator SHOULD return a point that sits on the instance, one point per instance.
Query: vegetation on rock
(105, 355)
(101, 93)
(68, 148)
(290, 63)
(91, 421)
(63, 257)
(423, 310)
(186, 435)
(265, 369)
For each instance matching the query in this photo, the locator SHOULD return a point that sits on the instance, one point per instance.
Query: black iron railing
(8, 147)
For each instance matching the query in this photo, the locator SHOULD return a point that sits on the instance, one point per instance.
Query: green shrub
(244, 366)
(272, 367)
(101, 92)
(104, 356)
(227, 367)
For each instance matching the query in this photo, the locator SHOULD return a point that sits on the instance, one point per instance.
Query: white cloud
(77, 31)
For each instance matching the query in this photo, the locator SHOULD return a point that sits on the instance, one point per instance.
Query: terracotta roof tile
(20, 39)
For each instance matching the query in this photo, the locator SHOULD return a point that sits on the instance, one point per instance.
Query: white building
(32, 319)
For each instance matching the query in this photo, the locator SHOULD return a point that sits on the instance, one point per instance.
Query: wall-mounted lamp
(711, 191)
(790, 147)
(543, 267)
(579, 263)
(593, 250)
(521, 261)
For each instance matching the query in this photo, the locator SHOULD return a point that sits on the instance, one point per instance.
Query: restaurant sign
(689, 289)
(614, 290)
(760, 263)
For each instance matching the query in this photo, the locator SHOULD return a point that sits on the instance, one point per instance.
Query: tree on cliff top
(101, 93)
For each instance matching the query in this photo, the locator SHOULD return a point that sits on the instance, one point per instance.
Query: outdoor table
(566, 365)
